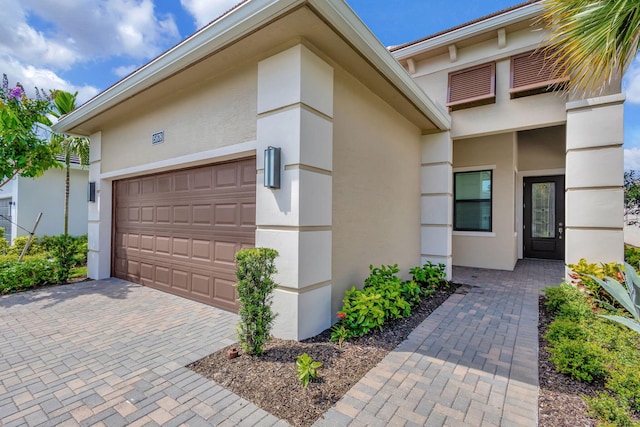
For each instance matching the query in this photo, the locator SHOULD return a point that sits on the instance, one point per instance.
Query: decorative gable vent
(531, 74)
(472, 86)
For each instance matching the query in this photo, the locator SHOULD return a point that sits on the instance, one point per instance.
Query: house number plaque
(157, 138)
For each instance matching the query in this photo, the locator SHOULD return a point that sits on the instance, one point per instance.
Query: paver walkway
(473, 362)
(113, 353)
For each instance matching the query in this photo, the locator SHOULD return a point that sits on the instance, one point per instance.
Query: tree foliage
(632, 193)
(592, 41)
(22, 121)
(68, 145)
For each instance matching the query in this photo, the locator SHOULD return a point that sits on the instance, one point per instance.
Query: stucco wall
(209, 114)
(496, 249)
(376, 187)
(46, 195)
(506, 114)
(542, 149)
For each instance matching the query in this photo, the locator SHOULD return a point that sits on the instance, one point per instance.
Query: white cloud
(632, 158)
(78, 31)
(31, 77)
(631, 82)
(205, 11)
(125, 70)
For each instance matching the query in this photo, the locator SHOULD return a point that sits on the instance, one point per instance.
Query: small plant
(430, 275)
(339, 332)
(31, 272)
(63, 249)
(307, 368)
(382, 274)
(255, 289)
(568, 301)
(628, 298)
(608, 409)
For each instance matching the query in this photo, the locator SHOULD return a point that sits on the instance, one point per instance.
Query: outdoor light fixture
(272, 167)
(91, 192)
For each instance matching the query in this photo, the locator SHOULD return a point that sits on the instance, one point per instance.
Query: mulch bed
(271, 382)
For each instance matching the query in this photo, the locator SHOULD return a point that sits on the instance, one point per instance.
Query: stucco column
(437, 199)
(295, 110)
(594, 180)
(99, 227)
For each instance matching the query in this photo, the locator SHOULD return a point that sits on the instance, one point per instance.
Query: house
(376, 169)
(22, 199)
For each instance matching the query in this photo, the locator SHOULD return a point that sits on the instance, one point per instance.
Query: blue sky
(87, 45)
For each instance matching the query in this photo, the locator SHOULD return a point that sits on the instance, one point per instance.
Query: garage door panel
(179, 231)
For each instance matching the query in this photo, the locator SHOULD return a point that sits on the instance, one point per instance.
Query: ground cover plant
(602, 356)
(49, 260)
(286, 388)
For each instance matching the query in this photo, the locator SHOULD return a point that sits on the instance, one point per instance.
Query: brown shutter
(472, 86)
(530, 72)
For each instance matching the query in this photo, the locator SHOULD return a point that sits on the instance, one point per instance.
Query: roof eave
(234, 26)
(494, 23)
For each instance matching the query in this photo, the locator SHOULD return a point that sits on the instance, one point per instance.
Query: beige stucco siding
(540, 149)
(497, 249)
(209, 114)
(376, 186)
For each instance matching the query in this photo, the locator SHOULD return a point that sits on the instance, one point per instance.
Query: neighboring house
(369, 158)
(22, 199)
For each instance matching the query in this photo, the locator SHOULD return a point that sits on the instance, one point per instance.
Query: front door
(544, 217)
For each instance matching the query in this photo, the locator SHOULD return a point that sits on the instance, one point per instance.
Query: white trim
(597, 101)
(194, 159)
(240, 22)
(474, 168)
(520, 200)
(474, 233)
(451, 37)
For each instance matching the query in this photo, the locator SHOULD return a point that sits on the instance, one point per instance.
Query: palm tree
(592, 41)
(68, 145)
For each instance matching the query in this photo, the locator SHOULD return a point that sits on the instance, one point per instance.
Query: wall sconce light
(272, 167)
(91, 192)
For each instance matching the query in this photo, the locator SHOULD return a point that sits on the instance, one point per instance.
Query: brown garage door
(179, 231)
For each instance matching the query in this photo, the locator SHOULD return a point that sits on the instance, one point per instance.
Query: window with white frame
(472, 209)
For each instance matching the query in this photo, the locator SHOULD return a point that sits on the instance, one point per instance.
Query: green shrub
(78, 246)
(4, 245)
(624, 381)
(384, 297)
(607, 408)
(582, 360)
(430, 275)
(565, 329)
(255, 289)
(19, 243)
(568, 301)
(632, 256)
(35, 271)
(584, 275)
(382, 274)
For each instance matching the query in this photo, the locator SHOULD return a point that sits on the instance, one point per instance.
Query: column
(594, 180)
(295, 110)
(437, 199)
(99, 227)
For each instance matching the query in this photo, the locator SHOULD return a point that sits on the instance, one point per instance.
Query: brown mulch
(560, 400)
(271, 382)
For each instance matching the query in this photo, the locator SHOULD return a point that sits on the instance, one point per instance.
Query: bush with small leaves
(430, 275)
(568, 301)
(607, 408)
(33, 271)
(255, 268)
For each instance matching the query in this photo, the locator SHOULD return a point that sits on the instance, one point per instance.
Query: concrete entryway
(113, 352)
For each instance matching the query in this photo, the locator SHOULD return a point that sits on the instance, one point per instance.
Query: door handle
(560, 230)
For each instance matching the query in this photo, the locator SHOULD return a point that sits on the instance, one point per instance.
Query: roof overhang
(246, 19)
(494, 23)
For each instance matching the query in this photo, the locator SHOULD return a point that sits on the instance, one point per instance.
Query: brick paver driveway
(113, 353)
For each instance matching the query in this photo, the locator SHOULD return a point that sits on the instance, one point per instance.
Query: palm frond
(592, 41)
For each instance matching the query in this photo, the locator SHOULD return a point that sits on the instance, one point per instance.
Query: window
(472, 195)
(531, 74)
(472, 87)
